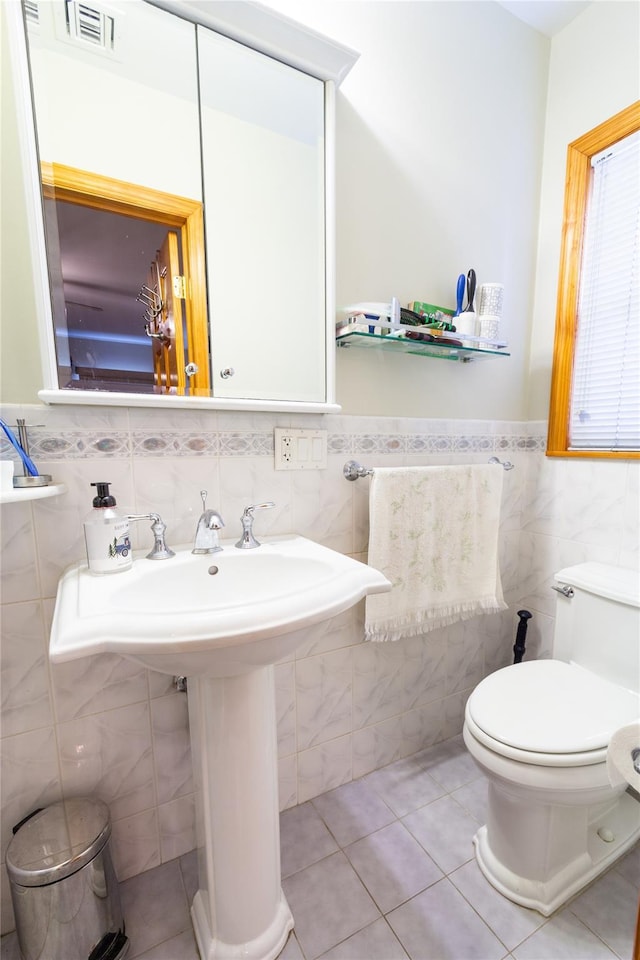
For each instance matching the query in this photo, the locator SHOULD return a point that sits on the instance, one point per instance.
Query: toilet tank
(599, 627)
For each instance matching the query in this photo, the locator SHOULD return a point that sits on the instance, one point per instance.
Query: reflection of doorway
(103, 236)
(104, 259)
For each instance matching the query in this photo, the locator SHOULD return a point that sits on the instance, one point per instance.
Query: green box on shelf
(429, 310)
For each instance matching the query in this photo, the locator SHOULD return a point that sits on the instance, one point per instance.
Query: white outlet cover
(297, 449)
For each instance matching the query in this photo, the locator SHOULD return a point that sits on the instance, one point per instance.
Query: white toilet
(539, 730)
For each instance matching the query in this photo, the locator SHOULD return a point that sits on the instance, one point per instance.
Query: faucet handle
(247, 541)
(160, 550)
(203, 494)
(248, 511)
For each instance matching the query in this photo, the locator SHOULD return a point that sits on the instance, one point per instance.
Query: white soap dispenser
(106, 533)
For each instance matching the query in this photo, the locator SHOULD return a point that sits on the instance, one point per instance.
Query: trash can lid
(58, 841)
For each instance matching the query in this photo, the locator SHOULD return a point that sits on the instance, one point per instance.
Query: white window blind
(605, 405)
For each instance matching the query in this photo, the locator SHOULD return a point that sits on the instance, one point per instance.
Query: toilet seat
(549, 713)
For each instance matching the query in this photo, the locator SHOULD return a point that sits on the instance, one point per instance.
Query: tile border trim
(49, 445)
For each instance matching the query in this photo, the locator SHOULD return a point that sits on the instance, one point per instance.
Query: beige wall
(19, 351)
(439, 144)
(593, 74)
(439, 165)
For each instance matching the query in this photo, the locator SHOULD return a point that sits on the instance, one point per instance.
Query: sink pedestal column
(239, 910)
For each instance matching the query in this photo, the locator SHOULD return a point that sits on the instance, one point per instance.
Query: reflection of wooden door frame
(60, 182)
(168, 349)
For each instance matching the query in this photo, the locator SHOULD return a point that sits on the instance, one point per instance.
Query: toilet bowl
(539, 731)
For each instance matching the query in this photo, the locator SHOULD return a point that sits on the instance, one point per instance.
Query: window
(595, 390)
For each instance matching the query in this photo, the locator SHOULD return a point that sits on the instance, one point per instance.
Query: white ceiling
(547, 16)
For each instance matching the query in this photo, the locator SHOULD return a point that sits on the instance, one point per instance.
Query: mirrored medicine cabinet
(181, 199)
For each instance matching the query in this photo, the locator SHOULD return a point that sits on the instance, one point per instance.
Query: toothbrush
(459, 294)
(29, 465)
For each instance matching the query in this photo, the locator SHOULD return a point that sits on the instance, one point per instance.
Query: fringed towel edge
(419, 622)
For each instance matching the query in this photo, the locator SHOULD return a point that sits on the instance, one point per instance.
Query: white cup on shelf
(466, 323)
(6, 476)
(490, 297)
(489, 327)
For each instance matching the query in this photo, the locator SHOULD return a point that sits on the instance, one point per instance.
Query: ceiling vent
(31, 11)
(89, 25)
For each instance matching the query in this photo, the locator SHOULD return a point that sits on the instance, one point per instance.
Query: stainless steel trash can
(63, 886)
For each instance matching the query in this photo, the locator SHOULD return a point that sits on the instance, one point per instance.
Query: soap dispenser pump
(106, 534)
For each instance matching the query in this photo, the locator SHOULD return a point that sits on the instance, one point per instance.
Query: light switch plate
(300, 449)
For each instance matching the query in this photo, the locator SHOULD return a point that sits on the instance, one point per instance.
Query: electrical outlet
(300, 449)
(286, 444)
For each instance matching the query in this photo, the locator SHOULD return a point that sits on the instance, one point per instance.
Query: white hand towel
(434, 535)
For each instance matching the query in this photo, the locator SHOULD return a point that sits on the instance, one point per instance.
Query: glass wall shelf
(475, 349)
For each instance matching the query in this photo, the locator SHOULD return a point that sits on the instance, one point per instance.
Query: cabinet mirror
(185, 190)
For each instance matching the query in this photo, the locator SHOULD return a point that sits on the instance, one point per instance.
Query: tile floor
(383, 869)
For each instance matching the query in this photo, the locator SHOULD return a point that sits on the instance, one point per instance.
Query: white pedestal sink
(222, 620)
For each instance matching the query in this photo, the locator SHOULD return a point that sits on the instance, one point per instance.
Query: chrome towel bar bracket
(507, 465)
(352, 470)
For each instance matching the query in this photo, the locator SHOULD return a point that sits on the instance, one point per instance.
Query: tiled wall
(108, 727)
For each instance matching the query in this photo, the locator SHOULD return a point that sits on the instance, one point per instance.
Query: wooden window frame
(578, 179)
(60, 182)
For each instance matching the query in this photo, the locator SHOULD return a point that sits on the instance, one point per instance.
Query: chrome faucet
(207, 531)
(160, 550)
(247, 541)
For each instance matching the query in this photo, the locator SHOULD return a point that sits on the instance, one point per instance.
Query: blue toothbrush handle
(30, 466)
(460, 294)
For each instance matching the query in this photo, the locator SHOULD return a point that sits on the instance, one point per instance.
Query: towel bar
(352, 470)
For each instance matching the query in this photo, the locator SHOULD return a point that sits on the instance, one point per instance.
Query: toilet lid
(549, 706)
